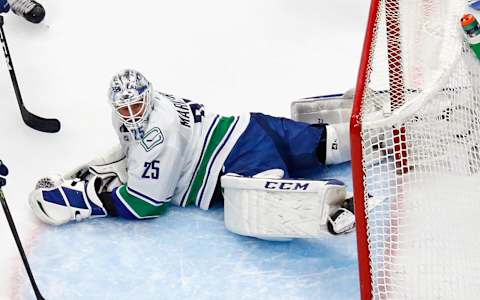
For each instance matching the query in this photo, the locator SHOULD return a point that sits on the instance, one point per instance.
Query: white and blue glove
(82, 193)
(58, 201)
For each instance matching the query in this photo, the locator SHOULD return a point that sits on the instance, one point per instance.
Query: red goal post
(357, 158)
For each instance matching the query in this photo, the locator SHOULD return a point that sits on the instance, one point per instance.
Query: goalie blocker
(282, 209)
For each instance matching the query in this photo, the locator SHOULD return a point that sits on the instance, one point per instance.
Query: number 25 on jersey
(151, 170)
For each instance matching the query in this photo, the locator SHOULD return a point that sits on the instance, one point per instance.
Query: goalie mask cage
(415, 133)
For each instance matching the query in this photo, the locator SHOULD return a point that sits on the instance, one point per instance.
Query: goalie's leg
(276, 143)
(297, 148)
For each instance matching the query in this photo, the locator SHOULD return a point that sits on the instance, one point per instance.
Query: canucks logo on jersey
(152, 138)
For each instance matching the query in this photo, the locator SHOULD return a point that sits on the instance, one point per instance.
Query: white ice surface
(233, 56)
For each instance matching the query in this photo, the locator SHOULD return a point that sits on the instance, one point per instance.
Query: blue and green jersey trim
(216, 138)
(133, 205)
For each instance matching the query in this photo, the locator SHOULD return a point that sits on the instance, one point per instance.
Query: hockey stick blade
(39, 123)
(33, 121)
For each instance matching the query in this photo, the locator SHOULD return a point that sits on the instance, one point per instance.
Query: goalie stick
(33, 121)
(8, 215)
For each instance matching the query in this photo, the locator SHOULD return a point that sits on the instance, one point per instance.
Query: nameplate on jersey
(152, 138)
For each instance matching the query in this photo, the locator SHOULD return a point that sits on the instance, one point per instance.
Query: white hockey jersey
(180, 156)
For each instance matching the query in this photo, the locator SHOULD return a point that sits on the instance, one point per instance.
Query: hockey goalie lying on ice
(173, 152)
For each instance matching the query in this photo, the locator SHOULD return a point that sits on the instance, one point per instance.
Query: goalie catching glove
(58, 201)
(82, 193)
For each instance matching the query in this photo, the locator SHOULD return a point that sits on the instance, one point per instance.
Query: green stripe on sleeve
(218, 134)
(139, 207)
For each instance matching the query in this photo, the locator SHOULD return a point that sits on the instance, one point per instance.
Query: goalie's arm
(58, 201)
(92, 191)
(152, 179)
(129, 204)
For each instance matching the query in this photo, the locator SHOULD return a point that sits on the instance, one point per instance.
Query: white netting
(420, 135)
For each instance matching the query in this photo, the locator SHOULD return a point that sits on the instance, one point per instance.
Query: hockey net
(415, 132)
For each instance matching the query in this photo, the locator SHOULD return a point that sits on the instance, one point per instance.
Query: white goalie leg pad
(330, 109)
(275, 209)
(57, 201)
(338, 144)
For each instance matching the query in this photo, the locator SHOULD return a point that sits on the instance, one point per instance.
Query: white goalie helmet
(130, 95)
